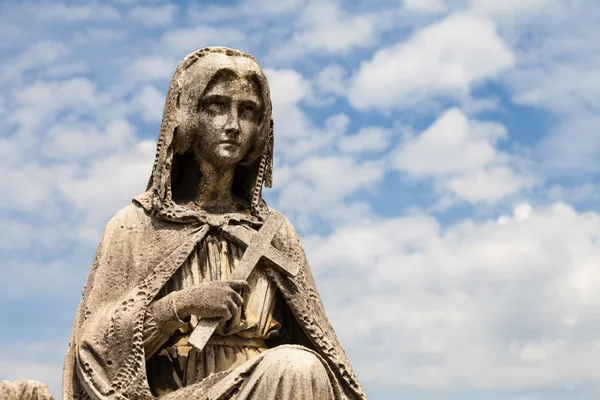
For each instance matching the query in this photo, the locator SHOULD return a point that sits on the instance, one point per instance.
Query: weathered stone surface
(24, 390)
(169, 260)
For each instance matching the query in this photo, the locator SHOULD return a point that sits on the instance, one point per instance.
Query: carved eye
(215, 106)
(248, 111)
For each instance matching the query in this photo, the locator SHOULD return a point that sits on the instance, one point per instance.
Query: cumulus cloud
(187, 40)
(332, 80)
(50, 11)
(152, 68)
(557, 72)
(70, 158)
(509, 11)
(288, 90)
(42, 54)
(38, 360)
(368, 139)
(318, 184)
(444, 59)
(319, 167)
(429, 6)
(161, 15)
(40, 102)
(498, 304)
(461, 157)
(149, 102)
(325, 26)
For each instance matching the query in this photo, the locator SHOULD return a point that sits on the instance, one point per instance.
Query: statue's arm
(160, 323)
(113, 313)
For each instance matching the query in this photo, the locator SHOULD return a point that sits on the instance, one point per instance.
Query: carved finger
(226, 313)
(232, 307)
(237, 299)
(239, 285)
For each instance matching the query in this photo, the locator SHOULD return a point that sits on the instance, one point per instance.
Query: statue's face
(229, 118)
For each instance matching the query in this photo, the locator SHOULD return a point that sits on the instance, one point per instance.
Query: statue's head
(218, 111)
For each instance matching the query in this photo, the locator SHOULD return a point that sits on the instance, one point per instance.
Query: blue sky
(439, 158)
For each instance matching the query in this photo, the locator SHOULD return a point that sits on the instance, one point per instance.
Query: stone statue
(200, 251)
(24, 390)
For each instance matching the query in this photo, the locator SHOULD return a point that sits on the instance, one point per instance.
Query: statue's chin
(228, 154)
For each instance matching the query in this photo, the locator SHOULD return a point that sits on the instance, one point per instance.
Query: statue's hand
(210, 299)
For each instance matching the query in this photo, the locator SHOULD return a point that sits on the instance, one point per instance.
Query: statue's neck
(214, 190)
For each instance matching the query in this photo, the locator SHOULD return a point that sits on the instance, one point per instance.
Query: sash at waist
(181, 341)
(233, 340)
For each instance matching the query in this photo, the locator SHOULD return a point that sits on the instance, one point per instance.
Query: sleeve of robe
(115, 335)
(303, 299)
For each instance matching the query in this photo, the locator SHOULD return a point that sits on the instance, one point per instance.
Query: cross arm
(245, 236)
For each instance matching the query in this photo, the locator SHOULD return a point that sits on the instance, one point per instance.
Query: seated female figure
(164, 263)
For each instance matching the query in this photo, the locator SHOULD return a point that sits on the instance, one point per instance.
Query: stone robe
(243, 337)
(112, 337)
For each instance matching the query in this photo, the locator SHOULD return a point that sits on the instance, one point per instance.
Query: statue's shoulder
(131, 216)
(277, 212)
(287, 232)
(286, 222)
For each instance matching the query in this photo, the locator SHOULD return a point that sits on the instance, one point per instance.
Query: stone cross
(258, 246)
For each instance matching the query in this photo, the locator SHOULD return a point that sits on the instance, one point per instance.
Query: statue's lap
(287, 371)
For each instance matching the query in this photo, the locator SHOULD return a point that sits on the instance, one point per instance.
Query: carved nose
(233, 123)
(232, 129)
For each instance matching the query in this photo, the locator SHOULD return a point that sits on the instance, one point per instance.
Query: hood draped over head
(175, 171)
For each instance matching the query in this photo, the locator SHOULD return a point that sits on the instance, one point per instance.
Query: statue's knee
(295, 361)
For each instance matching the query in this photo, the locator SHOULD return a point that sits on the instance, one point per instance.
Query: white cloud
(149, 102)
(27, 185)
(430, 6)
(462, 159)
(47, 11)
(162, 15)
(369, 139)
(2, 105)
(557, 71)
(10, 30)
(249, 11)
(94, 35)
(288, 90)
(325, 26)
(313, 176)
(106, 185)
(574, 194)
(444, 59)
(39, 360)
(185, 41)
(40, 102)
(287, 86)
(317, 185)
(573, 147)
(509, 11)
(496, 304)
(60, 136)
(42, 54)
(152, 68)
(83, 141)
(332, 79)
